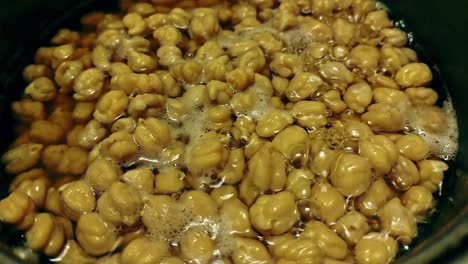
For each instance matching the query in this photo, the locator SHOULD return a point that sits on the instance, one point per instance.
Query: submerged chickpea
(327, 202)
(22, 157)
(41, 89)
(351, 174)
(375, 248)
(398, 220)
(414, 75)
(95, 235)
(143, 250)
(77, 198)
(152, 135)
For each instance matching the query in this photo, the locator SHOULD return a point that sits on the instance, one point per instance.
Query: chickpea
(95, 235)
(247, 250)
(83, 111)
(91, 134)
(62, 117)
(432, 173)
(135, 23)
(233, 171)
(351, 174)
(219, 117)
(391, 96)
(299, 182)
(88, 85)
(204, 24)
(352, 227)
(375, 248)
(141, 178)
(288, 140)
(75, 254)
(223, 193)
(145, 105)
(274, 214)
(381, 153)
(77, 198)
(141, 62)
(179, 18)
(394, 36)
(22, 157)
(378, 20)
(152, 135)
(169, 180)
(273, 123)
(383, 117)
(121, 203)
(329, 242)
(284, 20)
(285, 65)
(321, 31)
(143, 250)
(328, 204)
(302, 86)
(413, 75)
(418, 200)
(42, 232)
(126, 124)
(404, 175)
(197, 246)
(398, 221)
(332, 99)
(167, 35)
(336, 71)
(18, 209)
(36, 189)
(206, 153)
(343, 31)
(240, 78)
(28, 110)
(422, 96)
(35, 71)
(101, 58)
(365, 57)
(374, 198)
(268, 42)
(358, 97)
(101, 173)
(53, 204)
(199, 203)
(169, 55)
(236, 214)
(41, 89)
(46, 132)
(413, 147)
(32, 174)
(380, 80)
(300, 250)
(119, 146)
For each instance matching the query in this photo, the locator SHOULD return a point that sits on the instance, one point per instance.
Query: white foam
(443, 144)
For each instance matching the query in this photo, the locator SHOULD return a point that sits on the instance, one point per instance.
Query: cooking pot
(440, 38)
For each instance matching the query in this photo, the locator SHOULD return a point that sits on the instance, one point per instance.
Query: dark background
(441, 31)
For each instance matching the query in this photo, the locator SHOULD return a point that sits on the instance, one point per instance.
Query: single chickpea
(233, 171)
(141, 178)
(44, 56)
(302, 86)
(83, 111)
(207, 153)
(273, 123)
(394, 36)
(375, 248)
(169, 55)
(135, 23)
(284, 20)
(88, 85)
(343, 31)
(274, 214)
(91, 134)
(332, 99)
(291, 250)
(240, 78)
(126, 124)
(46, 132)
(223, 193)
(63, 117)
(22, 157)
(95, 235)
(218, 68)
(321, 31)
(167, 35)
(358, 97)
(110, 106)
(351, 174)
(414, 75)
(352, 227)
(77, 198)
(383, 117)
(285, 64)
(42, 233)
(53, 205)
(41, 89)
(141, 62)
(62, 53)
(398, 221)
(143, 250)
(380, 80)
(432, 173)
(299, 182)
(381, 153)
(391, 96)
(28, 111)
(179, 18)
(374, 198)
(197, 246)
(36, 189)
(144, 9)
(119, 68)
(18, 209)
(252, 59)
(413, 147)
(327, 202)
(418, 200)
(365, 57)
(248, 250)
(101, 173)
(267, 169)
(199, 203)
(119, 146)
(287, 141)
(32, 174)
(169, 180)
(236, 214)
(72, 136)
(145, 105)
(404, 175)
(35, 71)
(204, 24)
(152, 135)
(378, 20)
(336, 71)
(125, 203)
(268, 42)
(422, 96)
(329, 242)
(156, 20)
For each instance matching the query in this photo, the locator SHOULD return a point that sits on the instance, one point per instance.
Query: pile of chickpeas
(255, 131)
